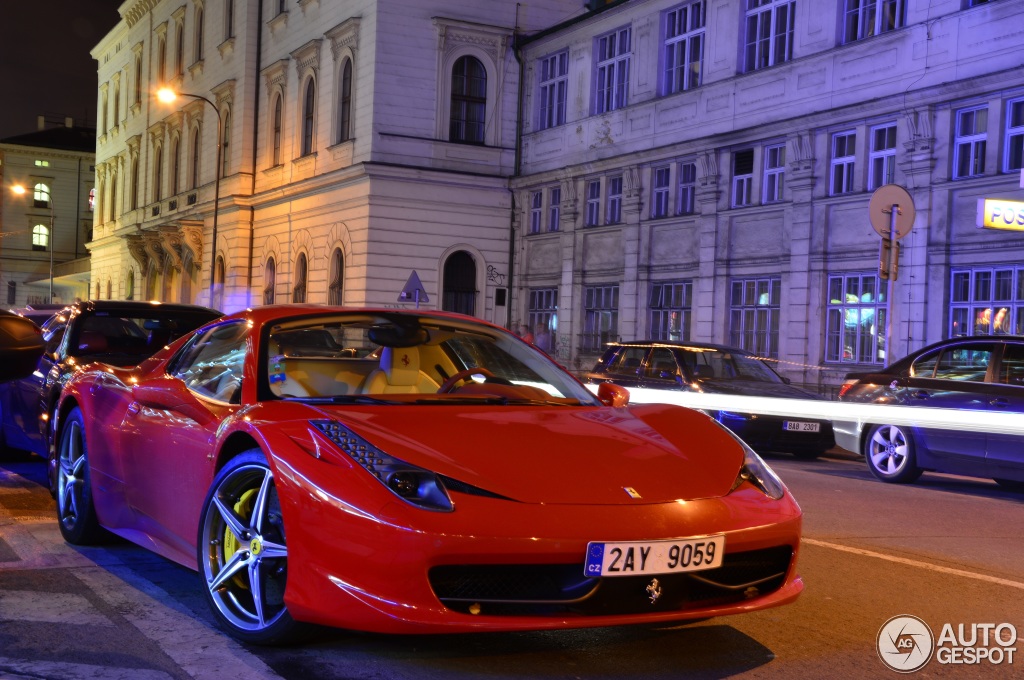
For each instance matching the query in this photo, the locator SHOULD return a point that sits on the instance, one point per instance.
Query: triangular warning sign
(413, 291)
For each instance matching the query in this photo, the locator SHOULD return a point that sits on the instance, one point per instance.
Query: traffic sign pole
(891, 211)
(894, 254)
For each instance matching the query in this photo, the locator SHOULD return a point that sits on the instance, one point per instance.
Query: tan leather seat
(399, 373)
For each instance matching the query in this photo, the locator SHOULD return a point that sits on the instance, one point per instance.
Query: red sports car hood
(570, 455)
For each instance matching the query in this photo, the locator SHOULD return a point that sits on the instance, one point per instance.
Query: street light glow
(166, 95)
(18, 189)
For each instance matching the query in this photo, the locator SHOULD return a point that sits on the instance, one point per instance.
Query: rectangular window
(536, 202)
(614, 211)
(554, 83)
(843, 158)
(742, 177)
(882, 156)
(669, 309)
(600, 317)
(554, 208)
(774, 172)
(865, 18)
(42, 164)
(769, 33)
(685, 202)
(684, 47)
(969, 142)
(542, 316)
(659, 194)
(986, 301)
(593, 202)
(856, 317)
(754, 315)
(612, 64)
(1013, 158)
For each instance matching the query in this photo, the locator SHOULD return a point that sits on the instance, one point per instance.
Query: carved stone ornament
(172, 242)
(345, 34)
(153, 244)
(137, 249)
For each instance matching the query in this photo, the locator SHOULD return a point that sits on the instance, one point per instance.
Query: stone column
(705, 300)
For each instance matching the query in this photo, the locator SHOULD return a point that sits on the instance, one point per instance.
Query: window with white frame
(774, 172)
(612, 63)
(536, 207)
(684, 46)
(197, 50)
(660, 191)
(299, 282)
(229, 19)
(308, 117)
(969, 142)
(769, 33)
(554, 208)
(865, 18)
(754, 315)
(600, 317)
(742, 177)
(593, 203)
(345, 102)
(986, 301)
(542, 316)
(670, 308)
(882, 156)
(686, 200)
(40, 237)
(843, 161)
(554, 84)
(41, 195)
(1013, 157)
(270, 281)
(468, 101)
(856, 317)
(613, 214)
(336, 287)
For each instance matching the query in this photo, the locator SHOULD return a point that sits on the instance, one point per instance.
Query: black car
(977, 373)
(716, 369)
(116, 332)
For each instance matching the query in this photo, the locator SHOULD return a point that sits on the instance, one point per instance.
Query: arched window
(336, 288)
(158, 171)
(276, 143)
(229, 19)
(308, 110)
(469, 101)
(151, 281)
(198, 56)
(117, 103)
(112, 204)
(110, 289)
(103, 119)
(135, 184)
(459, 284)
(299, 291)
(218, 284)
(194, 174)
(161, 61)
(40, 237)
(270, 276)
(92, 199)
(175, 170)
(97, 290)
(138, 79)
(345, 105)
(41, 195)
(225, 143)
(129, 285)
(179, 55)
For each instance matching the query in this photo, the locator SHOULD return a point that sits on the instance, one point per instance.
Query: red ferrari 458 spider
(407, 471)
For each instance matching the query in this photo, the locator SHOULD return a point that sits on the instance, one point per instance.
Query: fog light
(475, 608)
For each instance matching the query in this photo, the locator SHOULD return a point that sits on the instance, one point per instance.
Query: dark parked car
(38, 313)
(716, 369)
(120, 333)
(979, 373)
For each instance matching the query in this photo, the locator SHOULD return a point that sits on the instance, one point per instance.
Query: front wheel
(243, 555)
(889, 451)
(76, 512)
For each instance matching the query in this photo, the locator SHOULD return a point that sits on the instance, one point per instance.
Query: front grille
(560, 589)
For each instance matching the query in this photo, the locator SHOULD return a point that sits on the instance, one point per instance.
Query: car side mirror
(21, 346)
(612, 395)
(170, 394)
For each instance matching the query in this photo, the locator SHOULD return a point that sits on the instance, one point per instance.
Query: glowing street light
(167, 96)
(21, 191)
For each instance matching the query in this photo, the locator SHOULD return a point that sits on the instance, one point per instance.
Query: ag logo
(905, 643)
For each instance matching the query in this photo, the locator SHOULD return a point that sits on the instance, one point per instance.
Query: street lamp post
(20, 190)
(167, 95)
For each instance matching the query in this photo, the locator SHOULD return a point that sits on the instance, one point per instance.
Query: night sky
(45, 67)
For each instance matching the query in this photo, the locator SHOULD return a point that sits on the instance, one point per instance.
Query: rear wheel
(889, 451)
(243, 555)
(75, 510)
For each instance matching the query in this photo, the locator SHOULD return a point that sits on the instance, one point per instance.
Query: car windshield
(408, 358)
(708, 364)
(124, 338)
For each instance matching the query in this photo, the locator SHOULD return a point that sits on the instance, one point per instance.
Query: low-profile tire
(243, 554)
(889, 452)
(1010, 484)
(76, 513)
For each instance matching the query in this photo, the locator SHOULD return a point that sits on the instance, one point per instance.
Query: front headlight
(757, 472)
(411, 483)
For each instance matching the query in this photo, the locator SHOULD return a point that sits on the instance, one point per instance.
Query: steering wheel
(448, 384)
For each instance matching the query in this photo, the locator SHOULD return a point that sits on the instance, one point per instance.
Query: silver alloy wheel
(243, 553)
(71, 464)
(889, 451)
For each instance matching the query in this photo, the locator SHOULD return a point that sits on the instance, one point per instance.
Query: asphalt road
(946, 550)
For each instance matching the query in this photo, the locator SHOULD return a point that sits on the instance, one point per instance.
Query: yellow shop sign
(994, 213)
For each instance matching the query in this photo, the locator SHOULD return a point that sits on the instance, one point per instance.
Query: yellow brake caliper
(243, 508)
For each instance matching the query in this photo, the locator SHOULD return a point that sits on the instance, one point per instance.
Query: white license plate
(654, 557)
(800, 426)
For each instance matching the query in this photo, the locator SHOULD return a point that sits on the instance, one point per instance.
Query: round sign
(881, 206)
